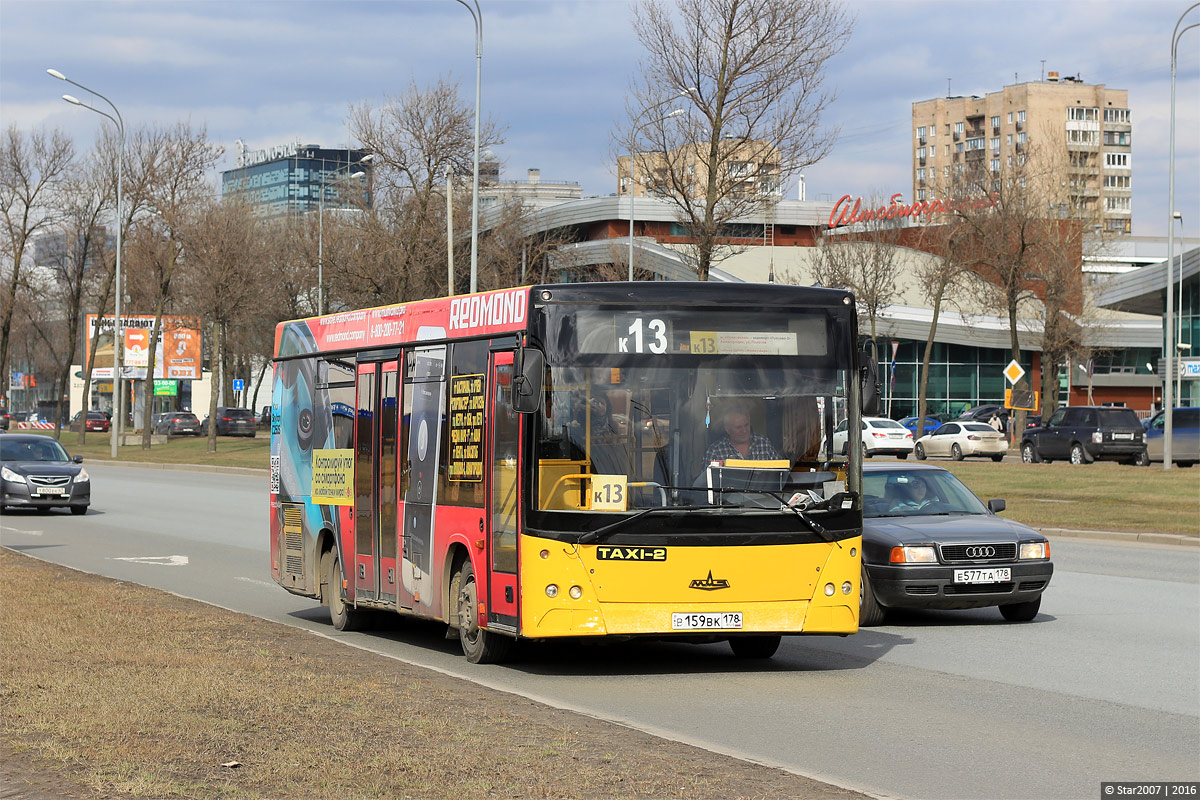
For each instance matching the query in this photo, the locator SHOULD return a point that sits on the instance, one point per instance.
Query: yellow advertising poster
(333, 477)
(467, 418)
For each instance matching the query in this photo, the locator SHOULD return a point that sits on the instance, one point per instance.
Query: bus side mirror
(527, 382)
(871, 391)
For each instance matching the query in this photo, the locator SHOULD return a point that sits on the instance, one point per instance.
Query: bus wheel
(343, 616)
(479, 646)
(754, 646)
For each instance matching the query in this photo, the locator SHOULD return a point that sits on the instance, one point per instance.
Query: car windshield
(885, 423)
(26, 450)
(905, 493)
(980, 427)
(185, 417)
(239, 413)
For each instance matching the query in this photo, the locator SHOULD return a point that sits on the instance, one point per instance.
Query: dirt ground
(114, 690)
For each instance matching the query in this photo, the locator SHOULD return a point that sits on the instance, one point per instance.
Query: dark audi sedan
(36, 472)
(928, 542)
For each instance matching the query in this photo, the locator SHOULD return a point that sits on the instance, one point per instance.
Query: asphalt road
(1104, 685)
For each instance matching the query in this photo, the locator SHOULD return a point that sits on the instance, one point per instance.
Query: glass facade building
(292, 181)
(960, 376)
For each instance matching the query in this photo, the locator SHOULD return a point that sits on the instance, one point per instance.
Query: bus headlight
(846, 587)
(1031, 550)
(552, 591)
(575, 592)
(829, 590)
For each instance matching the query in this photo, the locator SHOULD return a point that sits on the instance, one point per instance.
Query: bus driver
(740, 441)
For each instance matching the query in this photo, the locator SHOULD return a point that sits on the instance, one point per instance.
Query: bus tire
(870, 612)
(478, 645)
(755, 646)
(343, 616)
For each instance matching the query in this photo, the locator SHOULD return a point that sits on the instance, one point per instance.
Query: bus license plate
(982, 575)
(707, 621)
(49, 490)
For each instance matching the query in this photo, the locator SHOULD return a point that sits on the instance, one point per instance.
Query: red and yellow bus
(576, 460)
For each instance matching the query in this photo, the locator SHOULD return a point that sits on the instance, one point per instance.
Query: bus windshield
(670, 409)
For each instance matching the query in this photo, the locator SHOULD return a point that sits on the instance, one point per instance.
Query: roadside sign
(239, 384)
(165, 388)
(1014, 372)
(1021, 399)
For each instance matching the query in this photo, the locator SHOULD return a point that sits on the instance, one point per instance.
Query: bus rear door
(504, 508)
(375, 436)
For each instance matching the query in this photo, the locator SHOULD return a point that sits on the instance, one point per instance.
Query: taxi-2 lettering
(610, 553)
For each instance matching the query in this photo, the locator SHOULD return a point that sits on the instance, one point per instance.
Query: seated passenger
(740, 441)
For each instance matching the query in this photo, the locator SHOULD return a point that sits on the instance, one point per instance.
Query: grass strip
(125, 691)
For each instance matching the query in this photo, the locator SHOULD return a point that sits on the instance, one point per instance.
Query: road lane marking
(18, 530)
(162, 561)
(255, 581)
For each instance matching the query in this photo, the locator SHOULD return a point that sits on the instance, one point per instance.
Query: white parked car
(879, 437)
(961, 439)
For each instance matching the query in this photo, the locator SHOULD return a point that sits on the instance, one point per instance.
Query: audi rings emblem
(984, 551)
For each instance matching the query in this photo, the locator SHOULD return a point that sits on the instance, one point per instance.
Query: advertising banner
(176, 353)
(333, 477)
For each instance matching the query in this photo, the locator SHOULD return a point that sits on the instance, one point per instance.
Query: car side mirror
(77, 459)
(996, 506)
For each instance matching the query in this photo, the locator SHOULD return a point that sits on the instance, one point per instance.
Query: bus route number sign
(608, 492)
(643, 336)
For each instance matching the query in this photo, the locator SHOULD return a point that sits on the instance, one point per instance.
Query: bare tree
(183, 158)
(865, 261)
(752, 72)
(30, 168)
(415, 139)
(223, 282)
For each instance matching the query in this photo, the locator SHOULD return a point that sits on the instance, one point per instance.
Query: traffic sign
(1014, 372)
(239, 384)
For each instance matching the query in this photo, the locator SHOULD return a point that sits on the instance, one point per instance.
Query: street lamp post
(633, 176)
(477, 15)
(118, 338)
(1168, 401)
(1179, 344)
(321, 227)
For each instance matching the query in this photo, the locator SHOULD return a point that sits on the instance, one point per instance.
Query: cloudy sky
(555, 73)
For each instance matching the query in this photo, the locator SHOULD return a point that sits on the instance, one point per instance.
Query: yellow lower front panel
(596, 590)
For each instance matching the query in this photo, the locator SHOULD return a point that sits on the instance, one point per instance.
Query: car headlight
(1031, 550)
(82, 477)
(11, 476)
(923, 554)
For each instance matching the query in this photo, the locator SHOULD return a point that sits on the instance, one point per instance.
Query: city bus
(590, 460)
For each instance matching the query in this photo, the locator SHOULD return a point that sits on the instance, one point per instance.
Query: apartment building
(1077, 130)
(752, 167)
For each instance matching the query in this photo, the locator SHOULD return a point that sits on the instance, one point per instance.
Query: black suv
(1084, 434)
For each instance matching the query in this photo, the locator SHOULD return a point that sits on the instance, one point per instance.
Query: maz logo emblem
(709, 584)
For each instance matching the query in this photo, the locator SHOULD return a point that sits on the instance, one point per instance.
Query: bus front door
(503, 516)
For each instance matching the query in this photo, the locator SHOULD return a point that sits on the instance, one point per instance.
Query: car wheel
(920, 452)
(1078, 455)
(998, 457)
(1021, 612)
(754, 646)
(866, 452)
(956, 452)
(79, 510)
(1143, 459)
(1029, 453)
(479, 646)
(344, 616)
(870, 612)
(901, 456)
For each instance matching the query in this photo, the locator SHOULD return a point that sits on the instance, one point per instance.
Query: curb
(1124, 536)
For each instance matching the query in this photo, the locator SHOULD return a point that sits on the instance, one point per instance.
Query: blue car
(931, 424)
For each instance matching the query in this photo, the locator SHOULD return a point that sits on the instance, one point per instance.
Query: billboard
(176, 353)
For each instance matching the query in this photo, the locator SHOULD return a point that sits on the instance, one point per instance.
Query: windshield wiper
(812, 524)
(611, 528)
